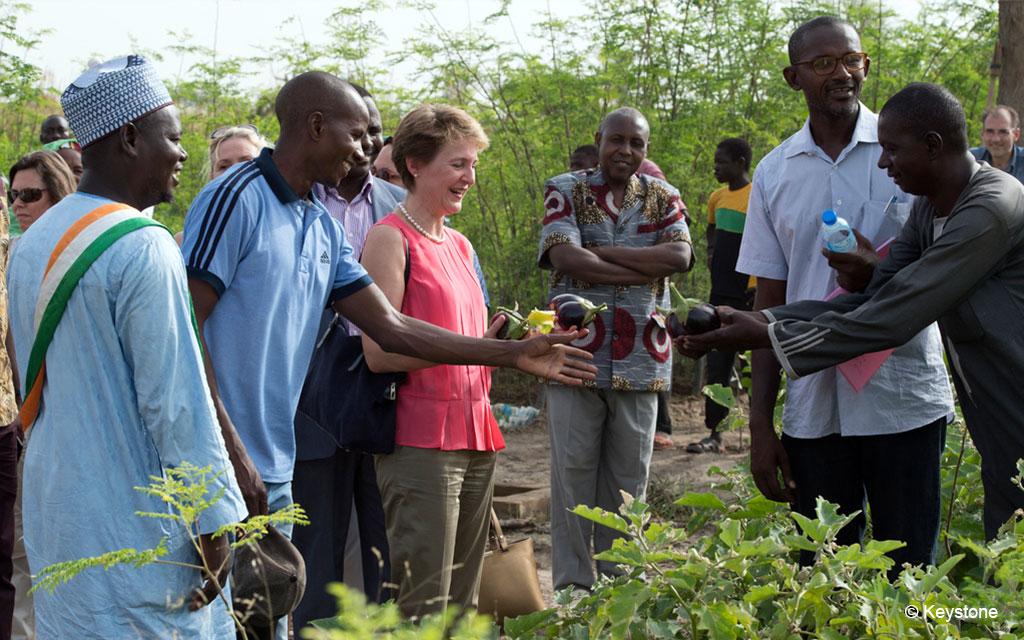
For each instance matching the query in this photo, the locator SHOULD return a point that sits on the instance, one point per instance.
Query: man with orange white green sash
(114, 382)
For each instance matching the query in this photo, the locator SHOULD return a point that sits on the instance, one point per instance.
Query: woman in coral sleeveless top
(438, 483)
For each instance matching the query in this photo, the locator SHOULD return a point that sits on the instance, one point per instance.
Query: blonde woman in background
(233, 145)
(230, 146)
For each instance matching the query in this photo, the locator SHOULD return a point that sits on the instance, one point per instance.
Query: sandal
(709, 444)
(663, 441)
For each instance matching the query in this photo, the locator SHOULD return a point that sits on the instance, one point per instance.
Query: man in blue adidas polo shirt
(264, 257)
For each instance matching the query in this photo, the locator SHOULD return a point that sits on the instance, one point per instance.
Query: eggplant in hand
(561, 299)
(701, 319)
(577, 313)
(515, 326)
(700, 316)
(675, 327)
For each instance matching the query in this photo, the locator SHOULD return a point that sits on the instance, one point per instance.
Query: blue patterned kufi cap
(110, 95)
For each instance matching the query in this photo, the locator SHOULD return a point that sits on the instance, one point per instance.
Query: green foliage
(700, 70)
(358, 620)
(57, 574)
(744, 581)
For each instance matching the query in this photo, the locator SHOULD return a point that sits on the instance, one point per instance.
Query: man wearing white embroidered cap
(123, 394)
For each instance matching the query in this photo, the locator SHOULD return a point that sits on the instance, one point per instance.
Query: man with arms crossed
(613, 237)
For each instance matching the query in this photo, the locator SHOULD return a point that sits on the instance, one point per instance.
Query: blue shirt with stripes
(276, 261)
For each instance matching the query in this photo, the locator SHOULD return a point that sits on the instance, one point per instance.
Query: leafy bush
(743, 579)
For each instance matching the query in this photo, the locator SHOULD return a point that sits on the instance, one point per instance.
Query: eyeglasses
(385, 174)
(223, 130)
(827, 64)
(27, 195)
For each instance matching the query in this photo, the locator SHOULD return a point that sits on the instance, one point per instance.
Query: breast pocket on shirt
(882, 220)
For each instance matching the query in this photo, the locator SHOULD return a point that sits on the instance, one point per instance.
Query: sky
(81, 29)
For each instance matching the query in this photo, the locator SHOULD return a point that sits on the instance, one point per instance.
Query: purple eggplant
(675, 327)
(577, 313)
(701, 319)
(515, 326)
(561, 299)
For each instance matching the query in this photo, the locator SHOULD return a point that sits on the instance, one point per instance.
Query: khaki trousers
(437, 512)
(601, 444)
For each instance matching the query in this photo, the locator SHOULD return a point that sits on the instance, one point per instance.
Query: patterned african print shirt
(632, 350)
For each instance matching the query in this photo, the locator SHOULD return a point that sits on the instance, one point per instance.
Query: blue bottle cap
(829, 217)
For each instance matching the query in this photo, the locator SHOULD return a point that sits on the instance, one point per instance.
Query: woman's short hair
(226, 133)
(56, 175)
(427, 128)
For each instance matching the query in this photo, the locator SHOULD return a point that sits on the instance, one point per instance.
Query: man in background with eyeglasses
(384, 167)
(883, 442)
(1000, 128)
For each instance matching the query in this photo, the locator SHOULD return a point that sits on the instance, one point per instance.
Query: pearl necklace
(416, 225)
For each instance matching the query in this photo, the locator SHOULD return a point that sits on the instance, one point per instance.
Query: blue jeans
(897, 474)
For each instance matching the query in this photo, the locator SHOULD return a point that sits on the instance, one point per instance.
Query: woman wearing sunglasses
(39, 180)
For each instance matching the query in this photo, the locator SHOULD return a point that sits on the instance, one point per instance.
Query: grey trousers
(437, 507)
(601, 443)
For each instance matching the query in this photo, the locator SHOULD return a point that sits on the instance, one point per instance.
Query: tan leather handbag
(509, 585)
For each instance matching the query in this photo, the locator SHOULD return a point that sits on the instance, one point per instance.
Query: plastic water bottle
(838, 236)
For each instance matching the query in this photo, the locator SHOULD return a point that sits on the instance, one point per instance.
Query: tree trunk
(1011, 37)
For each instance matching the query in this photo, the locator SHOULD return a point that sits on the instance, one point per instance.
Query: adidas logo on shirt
(324, 258)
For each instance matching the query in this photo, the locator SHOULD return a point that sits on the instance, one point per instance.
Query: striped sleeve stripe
(223, 223)
(804, 341)
(216, 215)
(780, 355)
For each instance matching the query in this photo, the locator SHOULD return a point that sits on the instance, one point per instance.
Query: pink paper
(859, 370)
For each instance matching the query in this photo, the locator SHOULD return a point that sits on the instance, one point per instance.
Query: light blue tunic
(125, 396)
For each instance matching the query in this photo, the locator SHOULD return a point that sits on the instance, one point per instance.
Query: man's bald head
(323, 123)
(621, 143)
(624, 114)
(311, 92)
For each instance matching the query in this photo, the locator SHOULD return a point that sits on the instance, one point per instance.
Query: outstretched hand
(740, 330)
(855, 268)
(550, 356)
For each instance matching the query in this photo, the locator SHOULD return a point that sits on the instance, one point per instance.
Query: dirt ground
(526, 459)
